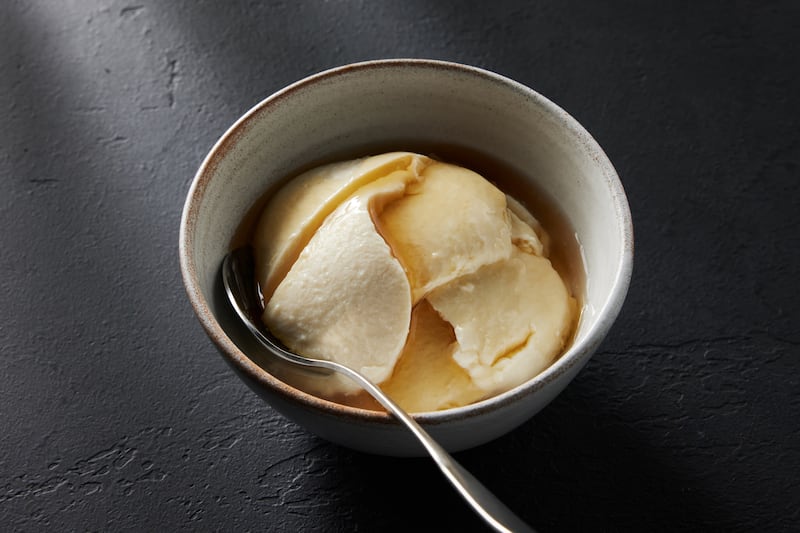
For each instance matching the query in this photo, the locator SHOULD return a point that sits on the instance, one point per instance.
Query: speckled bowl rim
(577, 354)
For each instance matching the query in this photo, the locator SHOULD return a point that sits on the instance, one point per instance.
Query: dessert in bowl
(380, 198)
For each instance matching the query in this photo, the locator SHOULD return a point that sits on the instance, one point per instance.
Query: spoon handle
(238, 279)
(486, 504)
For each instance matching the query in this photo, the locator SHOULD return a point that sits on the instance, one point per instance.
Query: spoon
(238, 276)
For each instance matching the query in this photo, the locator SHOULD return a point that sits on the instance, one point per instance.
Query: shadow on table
(565, 470)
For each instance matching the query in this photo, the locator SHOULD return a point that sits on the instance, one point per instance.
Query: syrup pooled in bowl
(417, 378)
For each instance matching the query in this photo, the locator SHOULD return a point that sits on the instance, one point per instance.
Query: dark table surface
(116, 412)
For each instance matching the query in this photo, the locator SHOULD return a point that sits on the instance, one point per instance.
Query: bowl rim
(577, 354)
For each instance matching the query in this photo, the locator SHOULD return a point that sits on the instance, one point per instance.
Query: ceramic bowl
(388, 102)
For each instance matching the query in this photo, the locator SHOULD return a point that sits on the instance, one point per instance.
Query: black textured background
(117, 414)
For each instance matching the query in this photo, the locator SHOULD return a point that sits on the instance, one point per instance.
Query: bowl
(391, 103)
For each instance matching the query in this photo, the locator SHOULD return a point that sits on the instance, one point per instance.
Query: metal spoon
(238, 276)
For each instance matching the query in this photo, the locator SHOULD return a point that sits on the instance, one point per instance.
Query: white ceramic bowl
(383, 102)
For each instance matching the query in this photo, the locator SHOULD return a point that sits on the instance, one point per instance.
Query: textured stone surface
(117, 413)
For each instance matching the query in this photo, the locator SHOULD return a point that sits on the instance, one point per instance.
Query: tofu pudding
(419, 273)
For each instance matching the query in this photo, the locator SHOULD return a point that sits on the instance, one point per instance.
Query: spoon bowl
(238, 278)
(244, 294)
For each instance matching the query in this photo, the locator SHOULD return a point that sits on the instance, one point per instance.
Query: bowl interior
(389, 103)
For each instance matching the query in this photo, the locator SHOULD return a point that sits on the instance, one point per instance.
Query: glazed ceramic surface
(378, 103)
